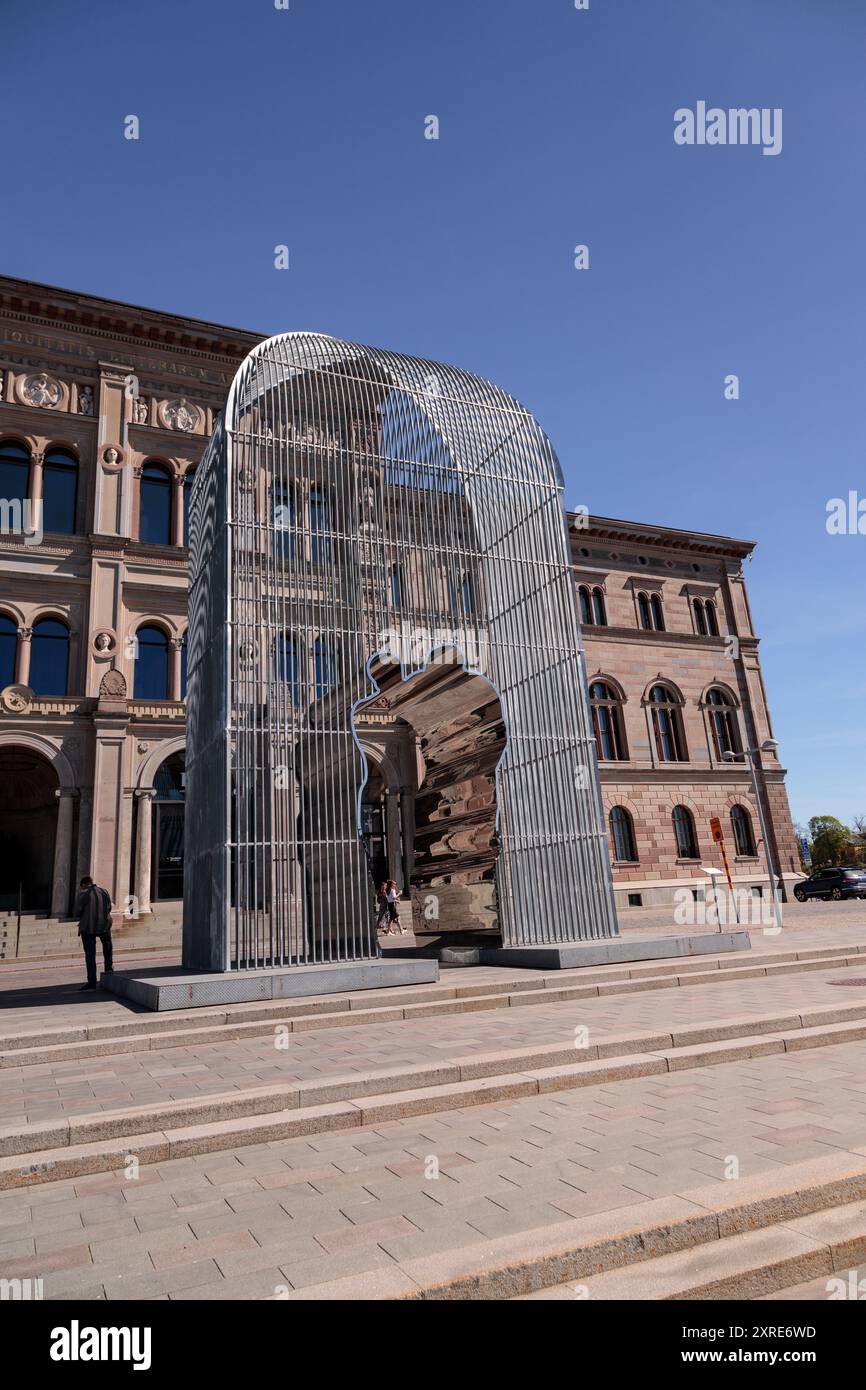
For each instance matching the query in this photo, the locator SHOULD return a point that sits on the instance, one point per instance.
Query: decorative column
(22, 664)
(176, 645)
(62, 853)
(177, 512)
(36, 462)
(85, 821)
(142, 850)
(392, 834)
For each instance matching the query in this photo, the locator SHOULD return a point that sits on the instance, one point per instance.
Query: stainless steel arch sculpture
(355, 509)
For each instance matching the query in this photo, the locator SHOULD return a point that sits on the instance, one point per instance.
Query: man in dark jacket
(93, 910)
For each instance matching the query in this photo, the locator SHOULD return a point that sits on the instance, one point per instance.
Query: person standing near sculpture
(93, 910)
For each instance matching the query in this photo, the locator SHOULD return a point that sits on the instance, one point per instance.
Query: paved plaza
(746, 1085)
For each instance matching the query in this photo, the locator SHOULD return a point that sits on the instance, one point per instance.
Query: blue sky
(306, 127)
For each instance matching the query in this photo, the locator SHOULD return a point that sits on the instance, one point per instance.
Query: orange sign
(716, 828)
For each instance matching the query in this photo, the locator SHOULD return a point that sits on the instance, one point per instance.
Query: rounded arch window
(744, 835)
(607, 725)
(622, 835)
(150, 681)
(667, 725)
(59, 491)
(14, 472)
(49, 657)
(685, 833)
(8, 650)
(723, 722)
(154, 520)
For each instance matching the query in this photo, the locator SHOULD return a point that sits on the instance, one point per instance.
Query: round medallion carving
(180, 415)
(16, 699)
(40, 389)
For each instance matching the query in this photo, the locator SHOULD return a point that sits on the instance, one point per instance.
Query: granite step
(75, 1145)
(724, 1240)
(135, 1033)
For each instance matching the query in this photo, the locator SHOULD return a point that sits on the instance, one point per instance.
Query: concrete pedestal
(570, 955)
(174, 988)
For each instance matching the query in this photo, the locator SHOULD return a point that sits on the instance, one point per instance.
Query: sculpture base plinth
(175, 988)
(572, 954)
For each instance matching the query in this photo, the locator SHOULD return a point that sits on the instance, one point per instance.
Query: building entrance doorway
(168, 829)
(28, 826)
(374, 828)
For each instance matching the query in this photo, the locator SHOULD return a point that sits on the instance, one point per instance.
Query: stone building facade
(105, 410)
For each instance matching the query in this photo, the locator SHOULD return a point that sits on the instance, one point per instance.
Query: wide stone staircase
(750, 1238)
(46, 939)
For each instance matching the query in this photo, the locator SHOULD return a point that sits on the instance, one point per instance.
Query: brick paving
(298, 1213)
(292, 1214)
(77, 1087)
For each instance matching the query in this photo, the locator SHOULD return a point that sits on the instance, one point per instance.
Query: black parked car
(832, 883)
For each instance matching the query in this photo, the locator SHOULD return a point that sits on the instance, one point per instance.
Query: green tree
(829, 838)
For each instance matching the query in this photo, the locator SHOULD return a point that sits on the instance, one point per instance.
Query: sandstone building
(105, 410)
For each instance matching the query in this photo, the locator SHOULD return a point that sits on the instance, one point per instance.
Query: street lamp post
(768, 746)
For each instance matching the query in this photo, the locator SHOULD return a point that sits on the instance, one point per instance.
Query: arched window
(657, 613)
(599, 616)
(150, 680)
(706, 621)
(188, 480)
(320, 528)
(324, 667)
(468, 594)
(607, 722)
(643, 610)
(183, 656)
(14, 473)
(585, 606)
(154, 521)
(592, 609)
(59, 491)
(8, 650)
(285, 521)
(744, 836)
(49, 657)
(667, 725)
(622, 836)
(684, 830)
(287, 665)
(395, 579)
(723, 722)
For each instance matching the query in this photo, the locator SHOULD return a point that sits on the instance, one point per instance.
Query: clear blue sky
(305, 127)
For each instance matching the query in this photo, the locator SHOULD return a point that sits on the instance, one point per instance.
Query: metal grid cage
(358, 512)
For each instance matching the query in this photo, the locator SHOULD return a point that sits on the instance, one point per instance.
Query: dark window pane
(14, 480)
(49, 657)
(643, 609)
(151, 665)
(8, 648)
(59, 490)
(154, 523)
(684, 829)
(183, 653)
(712, 622)
(287, 666)
(623, 835)
(700, 620)
(598, 612)
(658, 615)
(585, 614)
(320, 527)
(325, 673)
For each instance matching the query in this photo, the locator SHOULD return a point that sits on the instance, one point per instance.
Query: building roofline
(100, 307)
(612, 528)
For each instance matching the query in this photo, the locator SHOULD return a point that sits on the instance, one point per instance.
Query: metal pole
(777, 915)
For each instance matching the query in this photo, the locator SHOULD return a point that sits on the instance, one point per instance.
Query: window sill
(689, 861)
(746, 859)
(625, 863)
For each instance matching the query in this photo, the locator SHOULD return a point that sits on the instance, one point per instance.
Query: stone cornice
(611, 530)
(592, 633)
(49, 307)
